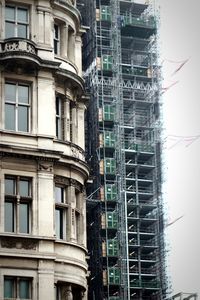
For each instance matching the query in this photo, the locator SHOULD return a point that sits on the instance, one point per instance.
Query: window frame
(60, 116)
(16, 22)
(56, 38)
(17, 105)
(61, 206)
(78, 214)
(16, 287)
(17, 199)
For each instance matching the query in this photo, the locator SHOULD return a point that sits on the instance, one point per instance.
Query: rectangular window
(60, 212)
(59, 118)
(17, 107)
(56, 39)
(16, 21)
(59, 194)
(59, 223)
(9, 216)
(17, 288)
(77, 228)
(17, 208)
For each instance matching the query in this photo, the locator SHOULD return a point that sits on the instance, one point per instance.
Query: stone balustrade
(17, 45)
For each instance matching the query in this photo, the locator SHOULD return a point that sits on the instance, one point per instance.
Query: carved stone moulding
(69, 181)
(15, 44)
(18, 243)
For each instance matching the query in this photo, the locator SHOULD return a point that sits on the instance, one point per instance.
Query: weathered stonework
(42, 237)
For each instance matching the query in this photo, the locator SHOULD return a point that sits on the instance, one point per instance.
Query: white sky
(180, 40)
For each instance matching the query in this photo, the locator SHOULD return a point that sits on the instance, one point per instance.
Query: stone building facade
(42, 163)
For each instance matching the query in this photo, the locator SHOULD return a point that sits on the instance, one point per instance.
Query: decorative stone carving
(76, 184)
(18, 243)
(75, 152)
(19, 46)
(68, 293)
(83, 294)
(69, 181)
(73, 216)
(62, 180)
(45, 167)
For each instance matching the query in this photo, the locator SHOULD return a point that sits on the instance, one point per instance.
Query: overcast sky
(180, 40)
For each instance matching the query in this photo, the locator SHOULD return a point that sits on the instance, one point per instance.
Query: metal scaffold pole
(119, 151)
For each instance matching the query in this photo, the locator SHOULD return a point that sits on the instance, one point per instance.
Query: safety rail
(147, 230)
(131, 20)
(146, 203)
(151, 270)
(137, 96)
(141, 190)
(149, 257)
(145, 190)
(137, 121)
(148, 242)
(144, 284)
(145, 177)
(131, 145)
(149, 216)
(139, 58)
(140, 162)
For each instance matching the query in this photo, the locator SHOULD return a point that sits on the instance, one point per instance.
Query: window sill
(26, 236)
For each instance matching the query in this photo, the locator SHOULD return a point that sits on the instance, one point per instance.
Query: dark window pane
(9, 30)
(55, 47)
(58, 128)
(9, 217)
(10, 186)
(23, 118)
(10, 92)
(22, 31)
(8, 288)
(56, 31)
(77, 225)
(59, 194)
(22, 15)
(57, 106)
(24, 218)
(59, 224)
(10, 13)
(23, 96)
(24, 289)
(24, 188)
(10, 117)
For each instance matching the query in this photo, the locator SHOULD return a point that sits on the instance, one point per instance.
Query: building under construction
(125, 211)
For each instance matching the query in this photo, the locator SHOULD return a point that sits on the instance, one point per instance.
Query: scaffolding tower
(125, 210)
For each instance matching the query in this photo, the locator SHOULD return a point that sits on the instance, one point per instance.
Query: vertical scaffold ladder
(120, 148)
